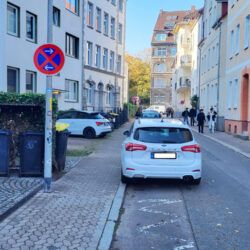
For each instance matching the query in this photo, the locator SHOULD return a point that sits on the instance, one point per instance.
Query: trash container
(31, 154)
(61, 149)
(5, 137)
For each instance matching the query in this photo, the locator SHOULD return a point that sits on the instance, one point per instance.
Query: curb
(109, 228)
(225, 144)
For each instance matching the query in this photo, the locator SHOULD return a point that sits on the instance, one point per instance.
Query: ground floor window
(109, 96)
(72, 88)
(90, 93)
(13, 80)
(30, 82)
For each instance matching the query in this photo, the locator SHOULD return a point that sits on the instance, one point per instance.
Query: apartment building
(163, 46)
(237, 112)
(185, 61)
(23, 29)
(104, 43)
(212, 46)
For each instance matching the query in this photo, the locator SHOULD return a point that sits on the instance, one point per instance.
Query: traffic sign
(49, 59)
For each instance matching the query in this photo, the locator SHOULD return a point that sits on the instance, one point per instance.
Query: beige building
(237, 113)
(212, 48)
(185, 61)
(163, 56)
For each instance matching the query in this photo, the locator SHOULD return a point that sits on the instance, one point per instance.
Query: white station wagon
(161, 148)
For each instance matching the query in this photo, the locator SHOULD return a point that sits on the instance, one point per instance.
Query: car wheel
(124, 179)
(89, 133)
(196, 181)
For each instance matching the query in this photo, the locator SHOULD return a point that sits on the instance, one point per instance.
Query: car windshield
(163, 135)
(150, 115)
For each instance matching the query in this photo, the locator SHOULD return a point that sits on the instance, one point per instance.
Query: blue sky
(142, 16)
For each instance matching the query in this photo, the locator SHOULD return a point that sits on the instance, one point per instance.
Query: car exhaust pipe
(188, 178)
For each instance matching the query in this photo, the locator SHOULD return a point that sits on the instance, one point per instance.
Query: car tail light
(135, 147)
(99, 123)
(192, 148)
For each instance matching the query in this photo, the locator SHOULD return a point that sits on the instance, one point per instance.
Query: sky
(142, 16)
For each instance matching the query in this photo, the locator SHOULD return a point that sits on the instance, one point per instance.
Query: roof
(141, 123)
(166, 22)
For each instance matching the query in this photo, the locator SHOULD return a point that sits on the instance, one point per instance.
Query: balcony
(184, 85)
(186, 61)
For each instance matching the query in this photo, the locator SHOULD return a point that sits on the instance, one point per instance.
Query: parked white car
(159, 108)
(88, 124)
(161, 148)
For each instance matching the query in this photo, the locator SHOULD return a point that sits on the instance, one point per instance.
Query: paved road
(174, 215)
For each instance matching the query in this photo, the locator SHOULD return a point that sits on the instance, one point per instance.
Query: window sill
(246, 47)
(237, 53)
(15, 35)
(99, 31)
(105, 34)
(72, 56)
(71, 101)
(89, 26)
(31, 41)
(75, 13)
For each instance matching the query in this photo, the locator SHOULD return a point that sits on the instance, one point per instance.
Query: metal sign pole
(48, 115)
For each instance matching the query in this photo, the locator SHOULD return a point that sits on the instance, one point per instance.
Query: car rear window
(95, 116)
(150, 115)
(163, 135)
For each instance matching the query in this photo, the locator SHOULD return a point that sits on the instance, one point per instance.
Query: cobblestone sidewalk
(74, 214)
(16, 190)
(235, 142)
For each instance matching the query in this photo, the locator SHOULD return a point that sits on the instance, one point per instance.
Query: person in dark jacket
(192, 114)
(201, 120)
(185, 115)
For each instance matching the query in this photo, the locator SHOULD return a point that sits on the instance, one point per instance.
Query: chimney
(193, 9)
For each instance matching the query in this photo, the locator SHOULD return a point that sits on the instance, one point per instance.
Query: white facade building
(104, 41)
(23, 30)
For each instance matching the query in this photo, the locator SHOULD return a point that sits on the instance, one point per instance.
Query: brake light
(192, 148)
(135, 147)
(99, 123)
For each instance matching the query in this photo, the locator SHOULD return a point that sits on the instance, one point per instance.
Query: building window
(161, 83)
(237, 39)
(113, 2)
(90, 94)
(105, 58)
(120, 33)
(247, 30)
(160, 52)
(98, 56)
(160, 68)
(229, 94)
(90, 53)
(109, 95)
(73, 5)
(119, 64)
(31, 27)
(235, 93)
(13, 20)
(231, 43)
(160, 37)
(98, 19)
(90, 15)
(112, 27)
(31, 82)
(72, 90)
(112, 61)
(56, 17)
(13, 80)
(106, 24)
(121, 5)
(72, 46)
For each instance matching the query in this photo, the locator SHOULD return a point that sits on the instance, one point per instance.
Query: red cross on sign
(49, 59)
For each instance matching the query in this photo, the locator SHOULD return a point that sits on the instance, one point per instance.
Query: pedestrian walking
(214, 117)
(201, 120)
(209, 119)
(172, 113)
(138, 112)
(185, 115)
(192, 115)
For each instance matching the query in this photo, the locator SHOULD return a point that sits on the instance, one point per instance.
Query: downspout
(124, 42)
(199, 81)
(83, 98)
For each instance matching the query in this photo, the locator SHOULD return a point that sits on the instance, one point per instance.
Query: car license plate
(169, 155)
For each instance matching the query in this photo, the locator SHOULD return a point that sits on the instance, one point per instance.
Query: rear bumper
(133, 170)
(103, 130)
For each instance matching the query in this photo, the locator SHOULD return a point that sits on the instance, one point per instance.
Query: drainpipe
(82, 99)
(199, 81)
(220, 119)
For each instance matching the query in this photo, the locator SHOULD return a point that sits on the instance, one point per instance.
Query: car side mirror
(127, 133)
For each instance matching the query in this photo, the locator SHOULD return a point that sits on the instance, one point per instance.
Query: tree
(139, 78)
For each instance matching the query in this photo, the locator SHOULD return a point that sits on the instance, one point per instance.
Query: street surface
(160, 214)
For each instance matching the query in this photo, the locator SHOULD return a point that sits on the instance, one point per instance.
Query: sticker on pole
(49, 59)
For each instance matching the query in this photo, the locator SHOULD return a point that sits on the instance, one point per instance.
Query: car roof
(80, 111)
(141, 123)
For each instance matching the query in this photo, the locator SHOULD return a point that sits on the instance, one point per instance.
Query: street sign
(49, 59)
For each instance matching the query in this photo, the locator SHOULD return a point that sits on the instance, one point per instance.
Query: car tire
(196, 181)
(124, 179)
(89, 133)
